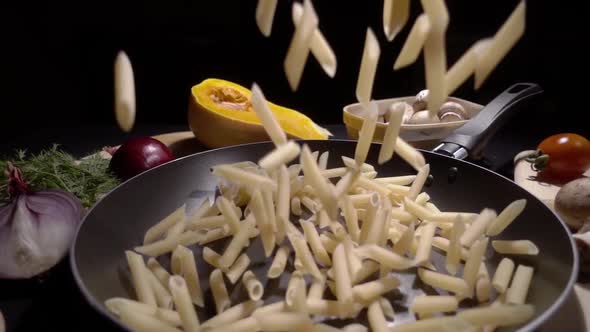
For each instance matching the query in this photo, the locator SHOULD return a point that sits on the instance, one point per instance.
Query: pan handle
(471, 138)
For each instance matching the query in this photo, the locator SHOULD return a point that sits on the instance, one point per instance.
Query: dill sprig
(88, 178)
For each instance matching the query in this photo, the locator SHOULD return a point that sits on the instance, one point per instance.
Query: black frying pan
(119, 221)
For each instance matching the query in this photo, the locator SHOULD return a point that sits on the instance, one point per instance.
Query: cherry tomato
(569, 156)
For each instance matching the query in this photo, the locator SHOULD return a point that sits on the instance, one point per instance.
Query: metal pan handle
(471, 138)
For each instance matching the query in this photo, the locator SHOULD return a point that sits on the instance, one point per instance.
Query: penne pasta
(474, 261)
(364, 85)
(317, 289)
(244, 178)
(408, 153)
(384, 257)
(354, 263)
(350, 218)
(304, 254)
(167, 245)
(393, 128)
(443, 281)
(313, 239)
(249, 324)
(419, 182)
(296, 297)
(139, 278)
(373, 290)
(453, 258)
(503, 275)
(163, 297)
(212, 258)
(478, 227)
(351, 163)
(402, 246)
(219, 291)
(387, 308)
(445, 323)
(377, 318)
(165, 224)
(414, 42)
(430, 304)
(517, 247)
(158, 271)
(227, 209)
(237, 269)
(167, 316)
(277, 322)
(142, 322)
(283, 203)
(402, 180)
(253, 286)
(236, 244)
(233, 314)
(318, 44)
(395, 16)
(520, 285)
(502, 315)
(334, 172)
(279, 262)
(190, 274)
(206, 223)
(366, 133)
(300, 44)
(183, 304)
(281, 155)
(328, 243)
(216, 234)
(425, 244)
(507, 216)
(344, 292)
(265, 12)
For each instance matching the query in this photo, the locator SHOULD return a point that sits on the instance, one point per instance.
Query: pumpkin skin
(220, 114)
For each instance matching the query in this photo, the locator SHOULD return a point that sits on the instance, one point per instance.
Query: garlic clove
(424, 117)
(452, 111)
(408, 111)
(421, 101)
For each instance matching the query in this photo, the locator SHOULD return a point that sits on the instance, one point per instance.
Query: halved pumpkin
(220, 114)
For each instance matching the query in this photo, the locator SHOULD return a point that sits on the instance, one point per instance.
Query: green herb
(88, 178)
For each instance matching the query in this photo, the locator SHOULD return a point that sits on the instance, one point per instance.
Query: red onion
(137, 155)
(36, 228)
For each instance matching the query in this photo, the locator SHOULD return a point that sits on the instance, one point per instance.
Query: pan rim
(529, 327)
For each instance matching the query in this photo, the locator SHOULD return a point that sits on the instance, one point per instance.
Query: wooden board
(575, 313)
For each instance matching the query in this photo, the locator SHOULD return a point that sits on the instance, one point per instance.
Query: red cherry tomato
(569, 156)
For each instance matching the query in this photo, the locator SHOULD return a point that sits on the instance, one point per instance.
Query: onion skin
(36, 230)
(137, 155)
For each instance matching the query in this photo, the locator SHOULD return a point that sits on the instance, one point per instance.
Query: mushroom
(424, 117)
(452, 111)
(421, 101)
(408, 111)
(572, 202)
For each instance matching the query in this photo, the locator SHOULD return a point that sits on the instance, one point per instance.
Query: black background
(56, 83)
(57, 58)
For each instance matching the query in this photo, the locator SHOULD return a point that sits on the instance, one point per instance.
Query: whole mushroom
(424, 117)
(572, 202)
(421, 101)
(452, 111)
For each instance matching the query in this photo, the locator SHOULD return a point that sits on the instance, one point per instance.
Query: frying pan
(119, 221)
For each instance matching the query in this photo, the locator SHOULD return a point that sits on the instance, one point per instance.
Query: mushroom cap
(452, 111)
(424, 117)
(572, 202)
(420, 101)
